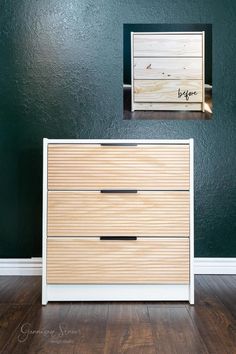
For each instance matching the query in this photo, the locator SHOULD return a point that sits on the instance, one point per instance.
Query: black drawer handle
(118, 238)
(118, 191)
(119, 144)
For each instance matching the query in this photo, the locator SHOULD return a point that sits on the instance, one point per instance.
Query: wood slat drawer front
(92, 261)
(88, 166)
(76, 213)
(158, 45)
(168, 68)
(168, 91)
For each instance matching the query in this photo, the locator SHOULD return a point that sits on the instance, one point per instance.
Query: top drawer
(96, 167)
(167, 45)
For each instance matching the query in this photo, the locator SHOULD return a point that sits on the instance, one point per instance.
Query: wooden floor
(115, 327)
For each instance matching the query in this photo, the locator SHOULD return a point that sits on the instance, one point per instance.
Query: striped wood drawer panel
(164, 45)
(80, 213)
(90, 166)
(144, 261)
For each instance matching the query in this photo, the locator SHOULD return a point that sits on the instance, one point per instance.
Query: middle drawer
(91, 213)
(168, 68)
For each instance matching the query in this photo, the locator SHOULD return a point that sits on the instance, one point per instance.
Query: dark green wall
(61, 74)
(128, 28)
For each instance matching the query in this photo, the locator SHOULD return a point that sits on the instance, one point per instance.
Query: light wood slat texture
(166, 106)
(157, 45)
(168, 91)
(96, 167)
(168, 68)
(92, 261)
(74, 213)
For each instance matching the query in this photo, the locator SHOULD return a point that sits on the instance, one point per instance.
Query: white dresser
(167, 71)
(117, 220)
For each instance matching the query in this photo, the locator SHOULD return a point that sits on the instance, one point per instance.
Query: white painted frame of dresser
(191, 222)
(132, 71)
(44, 225)
(108, 292)
(202, 104)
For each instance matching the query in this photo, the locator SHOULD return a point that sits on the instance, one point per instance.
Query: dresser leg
(44, 296)
(191, 299)
(44, 302)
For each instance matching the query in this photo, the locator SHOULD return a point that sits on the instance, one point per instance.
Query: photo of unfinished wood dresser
(167, 71)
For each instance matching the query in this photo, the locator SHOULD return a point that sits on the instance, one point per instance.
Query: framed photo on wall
(167, 71)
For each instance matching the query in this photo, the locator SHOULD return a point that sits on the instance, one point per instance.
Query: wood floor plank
(175, 332)
(61, 328)
(39, 332)
(90, 319)
(224, 287)
(215, 323)
(129, 330)
(11, 316)
(208, 327)
(20, 289)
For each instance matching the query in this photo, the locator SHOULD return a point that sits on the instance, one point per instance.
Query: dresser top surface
(170, 33)
(117, 141)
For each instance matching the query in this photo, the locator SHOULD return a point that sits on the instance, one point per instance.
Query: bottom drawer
(95, 261)
(187, 91)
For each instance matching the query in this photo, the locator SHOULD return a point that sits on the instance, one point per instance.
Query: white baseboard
(21, 266)
(33, 266)
(214, 265)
